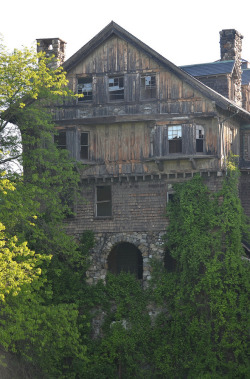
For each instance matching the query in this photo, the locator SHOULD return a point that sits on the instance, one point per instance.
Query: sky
(183, 31)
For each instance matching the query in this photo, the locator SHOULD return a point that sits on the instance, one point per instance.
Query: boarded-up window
(199, 138)
(84, 151)
(60, 140)
(175, 139)
(103, 201)
(116, 88)
(148, 87)
(84, 88)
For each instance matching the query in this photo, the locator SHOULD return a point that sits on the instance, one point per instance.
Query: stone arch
(125, 257)
(149, 244)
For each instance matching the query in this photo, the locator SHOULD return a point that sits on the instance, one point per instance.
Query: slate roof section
(246, 77)
(208, 69)
(114, 29)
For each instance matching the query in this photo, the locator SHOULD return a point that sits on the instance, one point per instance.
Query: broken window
(126, 257)
(84, 87)
(148, 87)
(103, 201)
(116, 88)
(84, 151)
(199, 138)
(175, 138)
(60, 140)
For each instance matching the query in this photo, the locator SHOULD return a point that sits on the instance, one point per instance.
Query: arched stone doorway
(125, 257)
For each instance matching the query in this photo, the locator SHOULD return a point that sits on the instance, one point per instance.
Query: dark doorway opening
(125, 257)
(169, 261)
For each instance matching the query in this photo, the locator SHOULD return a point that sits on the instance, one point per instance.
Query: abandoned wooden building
(142, 125)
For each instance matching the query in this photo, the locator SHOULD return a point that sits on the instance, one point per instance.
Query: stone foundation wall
(150, 244)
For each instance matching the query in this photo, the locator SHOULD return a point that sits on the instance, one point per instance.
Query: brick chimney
(52, 46)
(230, 49)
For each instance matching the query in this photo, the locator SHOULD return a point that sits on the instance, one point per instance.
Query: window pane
(116, 88)
(84, 153)
(84, 138)
(175, 146)
(103, 201)
(199, 145)
(84, 88)
(103, 193)
(174, 132)
(199, 132)
(104, 209)
(148, 87)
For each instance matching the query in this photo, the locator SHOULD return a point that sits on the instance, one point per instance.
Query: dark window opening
(175, 139)
(116, 88)
(199, 139)
(60, 140)
(170, 196)
(169, 261)
(84, 151)
(148, 87)
(126, 257)
(84, 88)
(103, 201)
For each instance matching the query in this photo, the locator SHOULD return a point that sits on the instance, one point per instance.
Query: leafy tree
(42, 322)
(18, 264)
(24, 77)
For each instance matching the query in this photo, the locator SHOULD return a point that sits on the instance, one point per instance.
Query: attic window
(116, 88)
(60, 140)
(148, 87)
(175, 138)
(199, 138)
(84, 87)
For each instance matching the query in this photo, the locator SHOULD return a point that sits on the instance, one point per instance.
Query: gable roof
(114, 29)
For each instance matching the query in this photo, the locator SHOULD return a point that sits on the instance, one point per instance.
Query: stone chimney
(230, 45)
(52, 47)
(230, 49)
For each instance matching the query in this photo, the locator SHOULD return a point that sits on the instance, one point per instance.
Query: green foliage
(40, 323)
(207, 296)
(122, 348)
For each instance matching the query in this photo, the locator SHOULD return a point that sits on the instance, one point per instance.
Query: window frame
(106, 201)
(148, 91)
(120, 95)
(199, 138)
(80, 89)
(175, 134)
(84, 145)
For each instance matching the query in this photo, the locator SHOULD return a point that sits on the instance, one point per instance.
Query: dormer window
(148, 87)
(84, 87)
(116, 88)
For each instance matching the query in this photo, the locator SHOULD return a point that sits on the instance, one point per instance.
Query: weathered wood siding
(118, 57)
